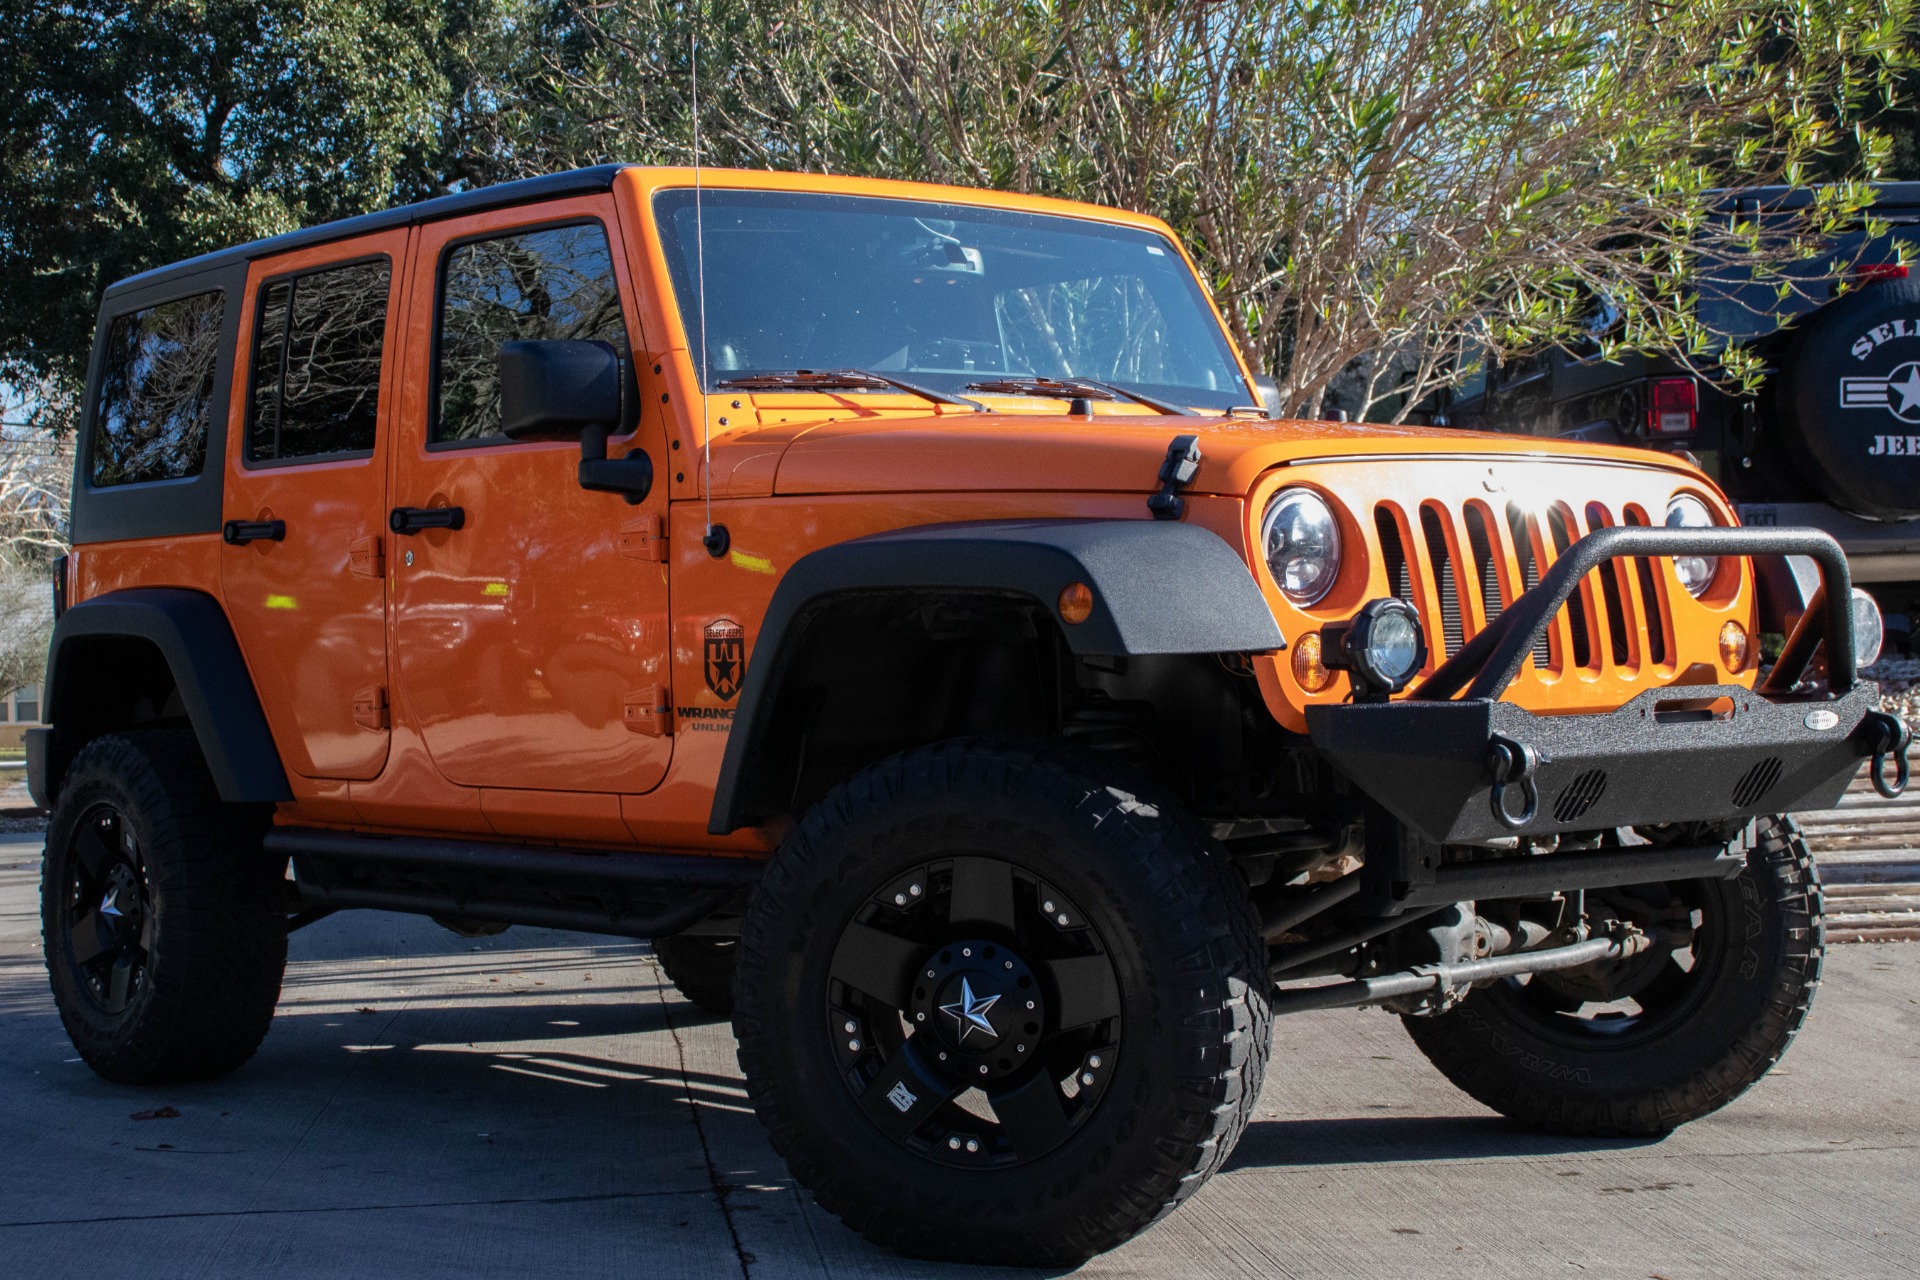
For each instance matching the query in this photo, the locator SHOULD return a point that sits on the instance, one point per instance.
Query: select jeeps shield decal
(726, 657)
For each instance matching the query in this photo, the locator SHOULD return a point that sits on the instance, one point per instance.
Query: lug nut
(854, 1045)
(953, 1144)
(1019, 1048)
(973, 1144)
(852, 1026)
(1094, 1061)
(983, 1071)
(899, 899)
(1086, 1077)
(1062, 917)
(1047, 907)
(1009, 964)
(1029, 1004)
(919, 1017)
(966, 951)
(914, 889)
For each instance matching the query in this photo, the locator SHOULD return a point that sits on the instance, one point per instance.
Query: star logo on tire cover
(1898, 393)
(969, 1013)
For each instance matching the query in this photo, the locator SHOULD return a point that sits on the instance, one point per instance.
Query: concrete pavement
(539, 1104)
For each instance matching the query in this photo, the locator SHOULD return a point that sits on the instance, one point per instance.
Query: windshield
(943, 294)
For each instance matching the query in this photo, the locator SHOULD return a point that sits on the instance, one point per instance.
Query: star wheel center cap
(980, 1008)
(970, 1013)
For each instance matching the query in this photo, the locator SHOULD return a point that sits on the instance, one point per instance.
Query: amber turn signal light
(1308, 669)
(1733, 646)
(1076, 602)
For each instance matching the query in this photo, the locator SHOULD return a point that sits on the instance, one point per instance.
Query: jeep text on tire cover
(889, 600)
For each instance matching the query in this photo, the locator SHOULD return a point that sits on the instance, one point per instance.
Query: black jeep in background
(1830, 441)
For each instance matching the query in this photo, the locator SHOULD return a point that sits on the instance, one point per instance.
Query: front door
(530, 641)
(305, 499)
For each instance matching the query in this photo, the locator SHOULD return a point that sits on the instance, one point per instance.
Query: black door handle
(238, 533)
(414, 519)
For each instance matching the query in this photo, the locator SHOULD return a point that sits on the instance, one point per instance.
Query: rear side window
(156, 392)
(316, 363)
(556, 282)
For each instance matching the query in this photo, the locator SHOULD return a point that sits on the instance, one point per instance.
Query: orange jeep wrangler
(894, 603)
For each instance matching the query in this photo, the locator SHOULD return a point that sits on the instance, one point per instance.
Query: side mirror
(1269, 394)
(554, 385)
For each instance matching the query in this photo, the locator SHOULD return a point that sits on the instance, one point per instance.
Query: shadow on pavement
(1391, 1139)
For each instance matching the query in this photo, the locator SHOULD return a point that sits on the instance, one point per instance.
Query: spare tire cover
(1849, 400)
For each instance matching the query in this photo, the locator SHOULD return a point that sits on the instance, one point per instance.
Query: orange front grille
(1460, 540)
(1461, 565)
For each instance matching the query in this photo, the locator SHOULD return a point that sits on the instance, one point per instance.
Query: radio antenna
(715, 539)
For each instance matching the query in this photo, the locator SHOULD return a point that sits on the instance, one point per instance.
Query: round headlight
(1301, 540)
(1695, 572)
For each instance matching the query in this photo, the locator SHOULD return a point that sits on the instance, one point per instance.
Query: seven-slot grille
(1460, 566)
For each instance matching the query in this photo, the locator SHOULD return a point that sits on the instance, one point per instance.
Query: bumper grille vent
(1756, 782)
(1580, 795)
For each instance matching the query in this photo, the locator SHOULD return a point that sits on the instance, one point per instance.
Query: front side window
(316, 363)
(553, 283)
(948, 295)
(156, 392)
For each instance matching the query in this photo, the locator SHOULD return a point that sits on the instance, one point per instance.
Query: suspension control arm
(1428, 977)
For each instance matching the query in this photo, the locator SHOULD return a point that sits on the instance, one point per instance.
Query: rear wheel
(1642, 1045)
(992, 1009)
(701, 969)
(164, 920)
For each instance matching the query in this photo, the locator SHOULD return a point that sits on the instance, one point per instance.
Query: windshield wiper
(1076, 388)
(841, 380)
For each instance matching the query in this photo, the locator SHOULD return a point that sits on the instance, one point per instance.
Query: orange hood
(1005, 453)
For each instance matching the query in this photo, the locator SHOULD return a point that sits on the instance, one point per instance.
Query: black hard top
(504, 195)
(1888, 196)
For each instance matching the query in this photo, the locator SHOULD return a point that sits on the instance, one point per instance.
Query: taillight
(1673, 407)
(59, 587)
(1868, 272)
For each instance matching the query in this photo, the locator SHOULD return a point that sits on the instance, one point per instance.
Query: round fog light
(1868, 633)
(1308, 668)
(1383, 646)
(1733, 646)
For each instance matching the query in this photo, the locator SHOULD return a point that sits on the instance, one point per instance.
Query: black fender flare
(192, 633)
(1159, 587)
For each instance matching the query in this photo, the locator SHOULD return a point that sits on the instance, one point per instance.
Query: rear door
(305, 499)
(530, 642)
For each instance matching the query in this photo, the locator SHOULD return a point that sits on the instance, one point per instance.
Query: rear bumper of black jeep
(1471, 769)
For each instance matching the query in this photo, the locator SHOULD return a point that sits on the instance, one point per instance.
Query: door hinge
(649, 711)
(368, 556)
(370, 708)
(644, 539)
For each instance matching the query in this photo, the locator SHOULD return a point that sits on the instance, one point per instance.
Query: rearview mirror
(554, 385)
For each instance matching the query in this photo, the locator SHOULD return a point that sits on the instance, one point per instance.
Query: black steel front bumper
(1459, 766)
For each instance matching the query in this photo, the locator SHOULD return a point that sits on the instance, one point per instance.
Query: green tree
(1369, 184)
(144, 132)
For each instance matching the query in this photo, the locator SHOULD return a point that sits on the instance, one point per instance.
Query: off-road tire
(218, 941)
(1189, 965)
(1742, 1020)
(701, 969)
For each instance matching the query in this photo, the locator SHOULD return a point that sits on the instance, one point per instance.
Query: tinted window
(553, 283)
(316, 362)
(156, 392)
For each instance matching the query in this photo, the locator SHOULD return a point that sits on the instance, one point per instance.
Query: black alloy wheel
(995, 1004)
(1642, 1045)
(975, 1013)
(163, 917)
(109, 909)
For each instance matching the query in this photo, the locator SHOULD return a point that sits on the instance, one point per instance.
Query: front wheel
(993, 1009)
(1643, 1045)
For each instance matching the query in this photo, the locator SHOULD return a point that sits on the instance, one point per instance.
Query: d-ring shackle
(1512, 762)
(1891, 737)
